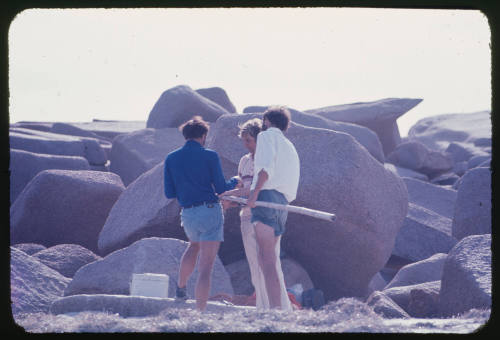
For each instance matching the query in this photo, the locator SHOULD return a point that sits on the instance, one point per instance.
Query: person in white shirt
(275, 179)
(248, 134)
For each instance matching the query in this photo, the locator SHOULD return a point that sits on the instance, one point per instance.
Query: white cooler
(148, 284)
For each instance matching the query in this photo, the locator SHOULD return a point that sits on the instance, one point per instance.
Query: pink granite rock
(33, 285)
(179, 104)
(64, 206)
(380, 116)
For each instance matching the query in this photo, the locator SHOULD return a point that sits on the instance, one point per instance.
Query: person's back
(193, 175)
(276, 179)
(284, 170)
(195, 172)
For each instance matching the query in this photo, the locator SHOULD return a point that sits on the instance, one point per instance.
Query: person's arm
(262, 177)
(169, 186)
(218, 180)
(265, 153)
(237, 192)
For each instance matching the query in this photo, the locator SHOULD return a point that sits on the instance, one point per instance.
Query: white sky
(74, 65)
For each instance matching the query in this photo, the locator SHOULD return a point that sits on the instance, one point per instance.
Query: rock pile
(88, 208)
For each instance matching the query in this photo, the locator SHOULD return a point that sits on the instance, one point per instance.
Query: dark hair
(251, 127)
(279, 116)
(194, 128)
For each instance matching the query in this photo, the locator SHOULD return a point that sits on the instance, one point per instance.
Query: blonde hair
(251, 127)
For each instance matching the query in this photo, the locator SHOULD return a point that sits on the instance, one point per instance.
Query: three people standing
(274, 178)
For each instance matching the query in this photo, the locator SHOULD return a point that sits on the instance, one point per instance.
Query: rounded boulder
(472, 215)
(179, 104)
(25, 165)
(113, 273)
(337, 175)
(64, 206)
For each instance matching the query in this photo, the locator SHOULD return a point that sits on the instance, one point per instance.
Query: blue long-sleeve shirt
(193, 174)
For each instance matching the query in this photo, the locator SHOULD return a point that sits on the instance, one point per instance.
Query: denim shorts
(204, 222)
(274, 218)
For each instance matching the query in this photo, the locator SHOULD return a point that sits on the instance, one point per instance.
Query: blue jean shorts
(204, 222)
(274, 218)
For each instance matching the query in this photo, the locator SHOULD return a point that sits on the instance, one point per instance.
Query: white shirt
(278, 157)
(245, 171)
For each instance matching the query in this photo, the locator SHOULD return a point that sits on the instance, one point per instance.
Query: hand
(240, 182)
(251, 200)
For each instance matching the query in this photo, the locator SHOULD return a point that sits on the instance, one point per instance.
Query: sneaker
(180, 294)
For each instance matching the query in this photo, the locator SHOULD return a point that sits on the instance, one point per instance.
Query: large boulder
(142, 210)
(179, 104)
(33, 285)
(402, 294)
(45, 142)
(460, 152)
(136, 152)
(472, 215)
(159, 217)
(379, 116)
(66, 258)
(423, 234)
(431, 196)
(466, 281)
(383, 305)
(424, 303)
(241, 280)
(419, 272)
(411, 155)
(64, 206)
(25, 165)
(219, 96)
(472, 130)
(337, 175)
(94, 152)
(57, 144)
(416, 156)
(363, 135)
(113, 273)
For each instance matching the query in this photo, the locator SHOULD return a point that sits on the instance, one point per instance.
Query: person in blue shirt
(193, 175)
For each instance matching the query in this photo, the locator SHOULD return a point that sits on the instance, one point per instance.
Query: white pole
(291, 208)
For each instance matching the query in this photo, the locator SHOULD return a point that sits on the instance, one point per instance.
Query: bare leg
(188, 262)
(267, 256)
(208, 252)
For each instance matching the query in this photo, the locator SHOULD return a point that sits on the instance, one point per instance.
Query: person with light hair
(270, 173)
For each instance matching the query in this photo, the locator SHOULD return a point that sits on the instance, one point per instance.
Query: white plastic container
(148, 284)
